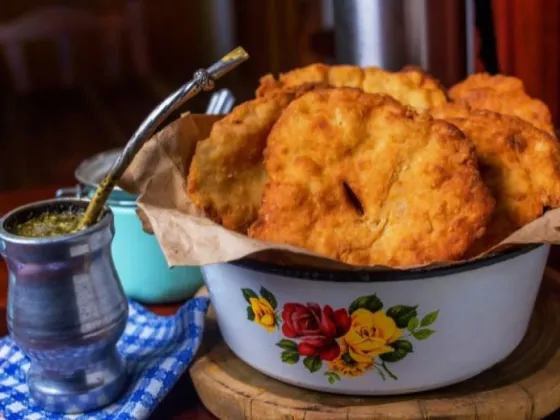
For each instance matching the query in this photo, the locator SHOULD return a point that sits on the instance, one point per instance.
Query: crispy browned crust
(410, 86)
(498, 83)
(519, 163)
(361, 178)
(505, 95)
(227, 176)
(429, 80)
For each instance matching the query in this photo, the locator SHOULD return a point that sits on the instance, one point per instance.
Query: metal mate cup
(66, 310)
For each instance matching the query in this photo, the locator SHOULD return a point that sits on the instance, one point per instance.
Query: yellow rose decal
(376, 338)
(370, 335)
(347, 366)
(262, 309)
(264, 314)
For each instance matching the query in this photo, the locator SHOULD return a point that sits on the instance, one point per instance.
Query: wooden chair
(64, 126)
(58, 24)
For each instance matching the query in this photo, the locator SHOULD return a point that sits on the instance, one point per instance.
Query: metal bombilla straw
(202, 80)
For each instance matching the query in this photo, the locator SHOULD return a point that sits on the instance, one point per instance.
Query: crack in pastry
(414, 180)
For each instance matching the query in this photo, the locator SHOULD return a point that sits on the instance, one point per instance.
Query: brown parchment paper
(158, 175)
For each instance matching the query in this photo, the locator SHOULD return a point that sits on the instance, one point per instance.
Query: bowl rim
(381, 275)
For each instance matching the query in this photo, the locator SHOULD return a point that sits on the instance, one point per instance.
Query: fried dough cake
(498, 84)
(518, 162)
(505, 95)
(410, 86)
(226, 176)
(361, 178)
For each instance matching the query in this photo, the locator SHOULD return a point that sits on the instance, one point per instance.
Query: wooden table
(182, 402)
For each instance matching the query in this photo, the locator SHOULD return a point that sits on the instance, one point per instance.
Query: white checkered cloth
(157, 350)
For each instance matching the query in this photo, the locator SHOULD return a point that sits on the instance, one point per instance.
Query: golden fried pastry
(496, 83)
(363, 179)
(410, 86)
(505, 95)
(227, 176)
(518, 162)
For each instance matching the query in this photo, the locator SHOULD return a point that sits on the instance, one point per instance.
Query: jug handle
(70, 192)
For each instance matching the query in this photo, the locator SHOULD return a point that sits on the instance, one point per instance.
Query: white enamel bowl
(376, 333)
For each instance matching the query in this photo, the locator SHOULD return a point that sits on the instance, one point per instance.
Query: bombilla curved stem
(202, 80)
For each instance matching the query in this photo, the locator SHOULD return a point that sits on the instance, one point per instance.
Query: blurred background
(77, 77)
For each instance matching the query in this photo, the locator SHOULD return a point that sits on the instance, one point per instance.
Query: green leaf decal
(332, 377)
(413, 324)
(347, 359)
(429, 319)
(269, 297)
(402, 314)
(287, 344)
(423, 333)
(403, 345)
(391, 374)
(402, 348)
(250, 314)
(312, 363)
(372, 303)
(290, 357)
(248, 293)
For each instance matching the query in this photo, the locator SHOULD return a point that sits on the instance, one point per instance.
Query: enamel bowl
(376, 333)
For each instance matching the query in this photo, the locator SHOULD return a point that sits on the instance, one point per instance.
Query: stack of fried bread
(372, 167)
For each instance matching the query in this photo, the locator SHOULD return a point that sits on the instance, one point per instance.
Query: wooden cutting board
(524, 386)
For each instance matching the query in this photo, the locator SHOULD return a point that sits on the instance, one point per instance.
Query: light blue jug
(138, 258)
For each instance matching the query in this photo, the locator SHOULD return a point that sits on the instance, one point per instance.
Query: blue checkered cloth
(157, 351)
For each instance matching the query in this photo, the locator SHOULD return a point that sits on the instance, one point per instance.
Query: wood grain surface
(524, 386)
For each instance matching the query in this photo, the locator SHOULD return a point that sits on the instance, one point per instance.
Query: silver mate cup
(66, 310)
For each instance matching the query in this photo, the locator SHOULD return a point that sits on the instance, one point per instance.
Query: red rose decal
(317, 329)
